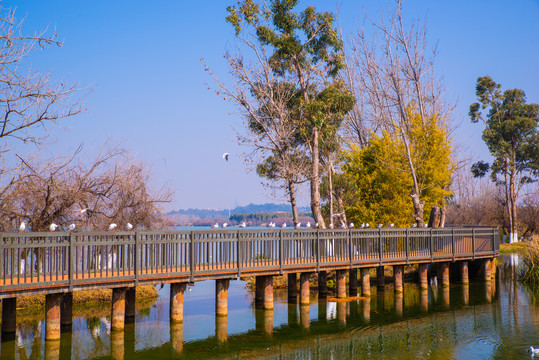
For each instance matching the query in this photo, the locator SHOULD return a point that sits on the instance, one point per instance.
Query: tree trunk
(292, 194)
(513, 202)
(315, 182)
(418, 208)
(330, 173)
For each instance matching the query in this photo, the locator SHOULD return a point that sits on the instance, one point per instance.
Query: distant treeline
(267, 217)
(249, 209)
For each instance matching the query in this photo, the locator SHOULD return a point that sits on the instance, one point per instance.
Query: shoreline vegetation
(86, 298)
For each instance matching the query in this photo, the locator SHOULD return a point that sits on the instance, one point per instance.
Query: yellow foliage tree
(382, 178)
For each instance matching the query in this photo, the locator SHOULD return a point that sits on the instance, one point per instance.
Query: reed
(530, 254)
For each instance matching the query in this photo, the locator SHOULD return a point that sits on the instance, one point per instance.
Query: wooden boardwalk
(49, 263)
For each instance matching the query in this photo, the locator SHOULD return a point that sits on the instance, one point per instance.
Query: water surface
(485, 320)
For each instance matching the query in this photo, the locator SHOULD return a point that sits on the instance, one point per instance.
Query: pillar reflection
(424, 294)
(341, 312)
(304, 316)
(445, 296)
(52, 350)
(117, 347)
(466, 294)
(366, 303)
(399, 303)
(292, 314)
(221, 323)
(176, 336)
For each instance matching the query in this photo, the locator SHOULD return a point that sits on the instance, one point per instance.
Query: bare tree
(112, 188)
(29, 99)
(391, 73)
(269, 106)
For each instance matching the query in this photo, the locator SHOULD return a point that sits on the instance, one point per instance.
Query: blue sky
(142, 61)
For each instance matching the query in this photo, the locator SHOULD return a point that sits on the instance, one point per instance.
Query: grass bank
(513, 248)
(84, 298)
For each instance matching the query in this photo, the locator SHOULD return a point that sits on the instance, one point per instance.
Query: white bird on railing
(362, 225)
(317, 225)
(425, 225)
(71, 227)
(112, 226)
(284, 225)
(391, 225)
(243, 225)
(129, 227)
(331, 225)
(367, 225)
(53, 227)
(216, 226)
(225, 225)
(414, 225)
(308, 226)
(351, 226)
(22, 227)
(298, 225)
(343, 225)
(380, 225)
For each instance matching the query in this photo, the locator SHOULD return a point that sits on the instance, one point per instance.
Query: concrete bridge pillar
(380, 278)
(221, 296)
(322, 285)
(305, 287)
(341, 283)
(443, 273)
(130, 302)
(352, 282)
(423, 277)
(397, 276)
(118, 309)
(264, 292)
(52, 316)
(292, 288)
(66, 312)
(365, 282)
(9, 318)
(176, 301)
(463, 265)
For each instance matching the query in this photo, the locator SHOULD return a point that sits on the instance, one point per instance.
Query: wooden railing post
(192, 257)
(407, 247)
(350, 247)
(71, 260)
(2, 270)
(136, 259)
(317, 250)
(380, 244)
(473, 242)
(453, 242)
(238, 254)
(431, 246)
(281, 251)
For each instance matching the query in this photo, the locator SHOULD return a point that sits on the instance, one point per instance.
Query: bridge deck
(56, 262)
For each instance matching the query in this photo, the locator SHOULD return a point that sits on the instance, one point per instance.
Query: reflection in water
(176, 336)
(497, 319)
(117, 346)
(465, 294)
(304, 316)
(221, 324)
(399, 303)
(424, 293)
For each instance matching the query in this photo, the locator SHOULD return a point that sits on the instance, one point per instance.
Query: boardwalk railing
(63, 261)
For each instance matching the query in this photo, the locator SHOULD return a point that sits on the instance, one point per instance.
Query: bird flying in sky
(225, 156)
